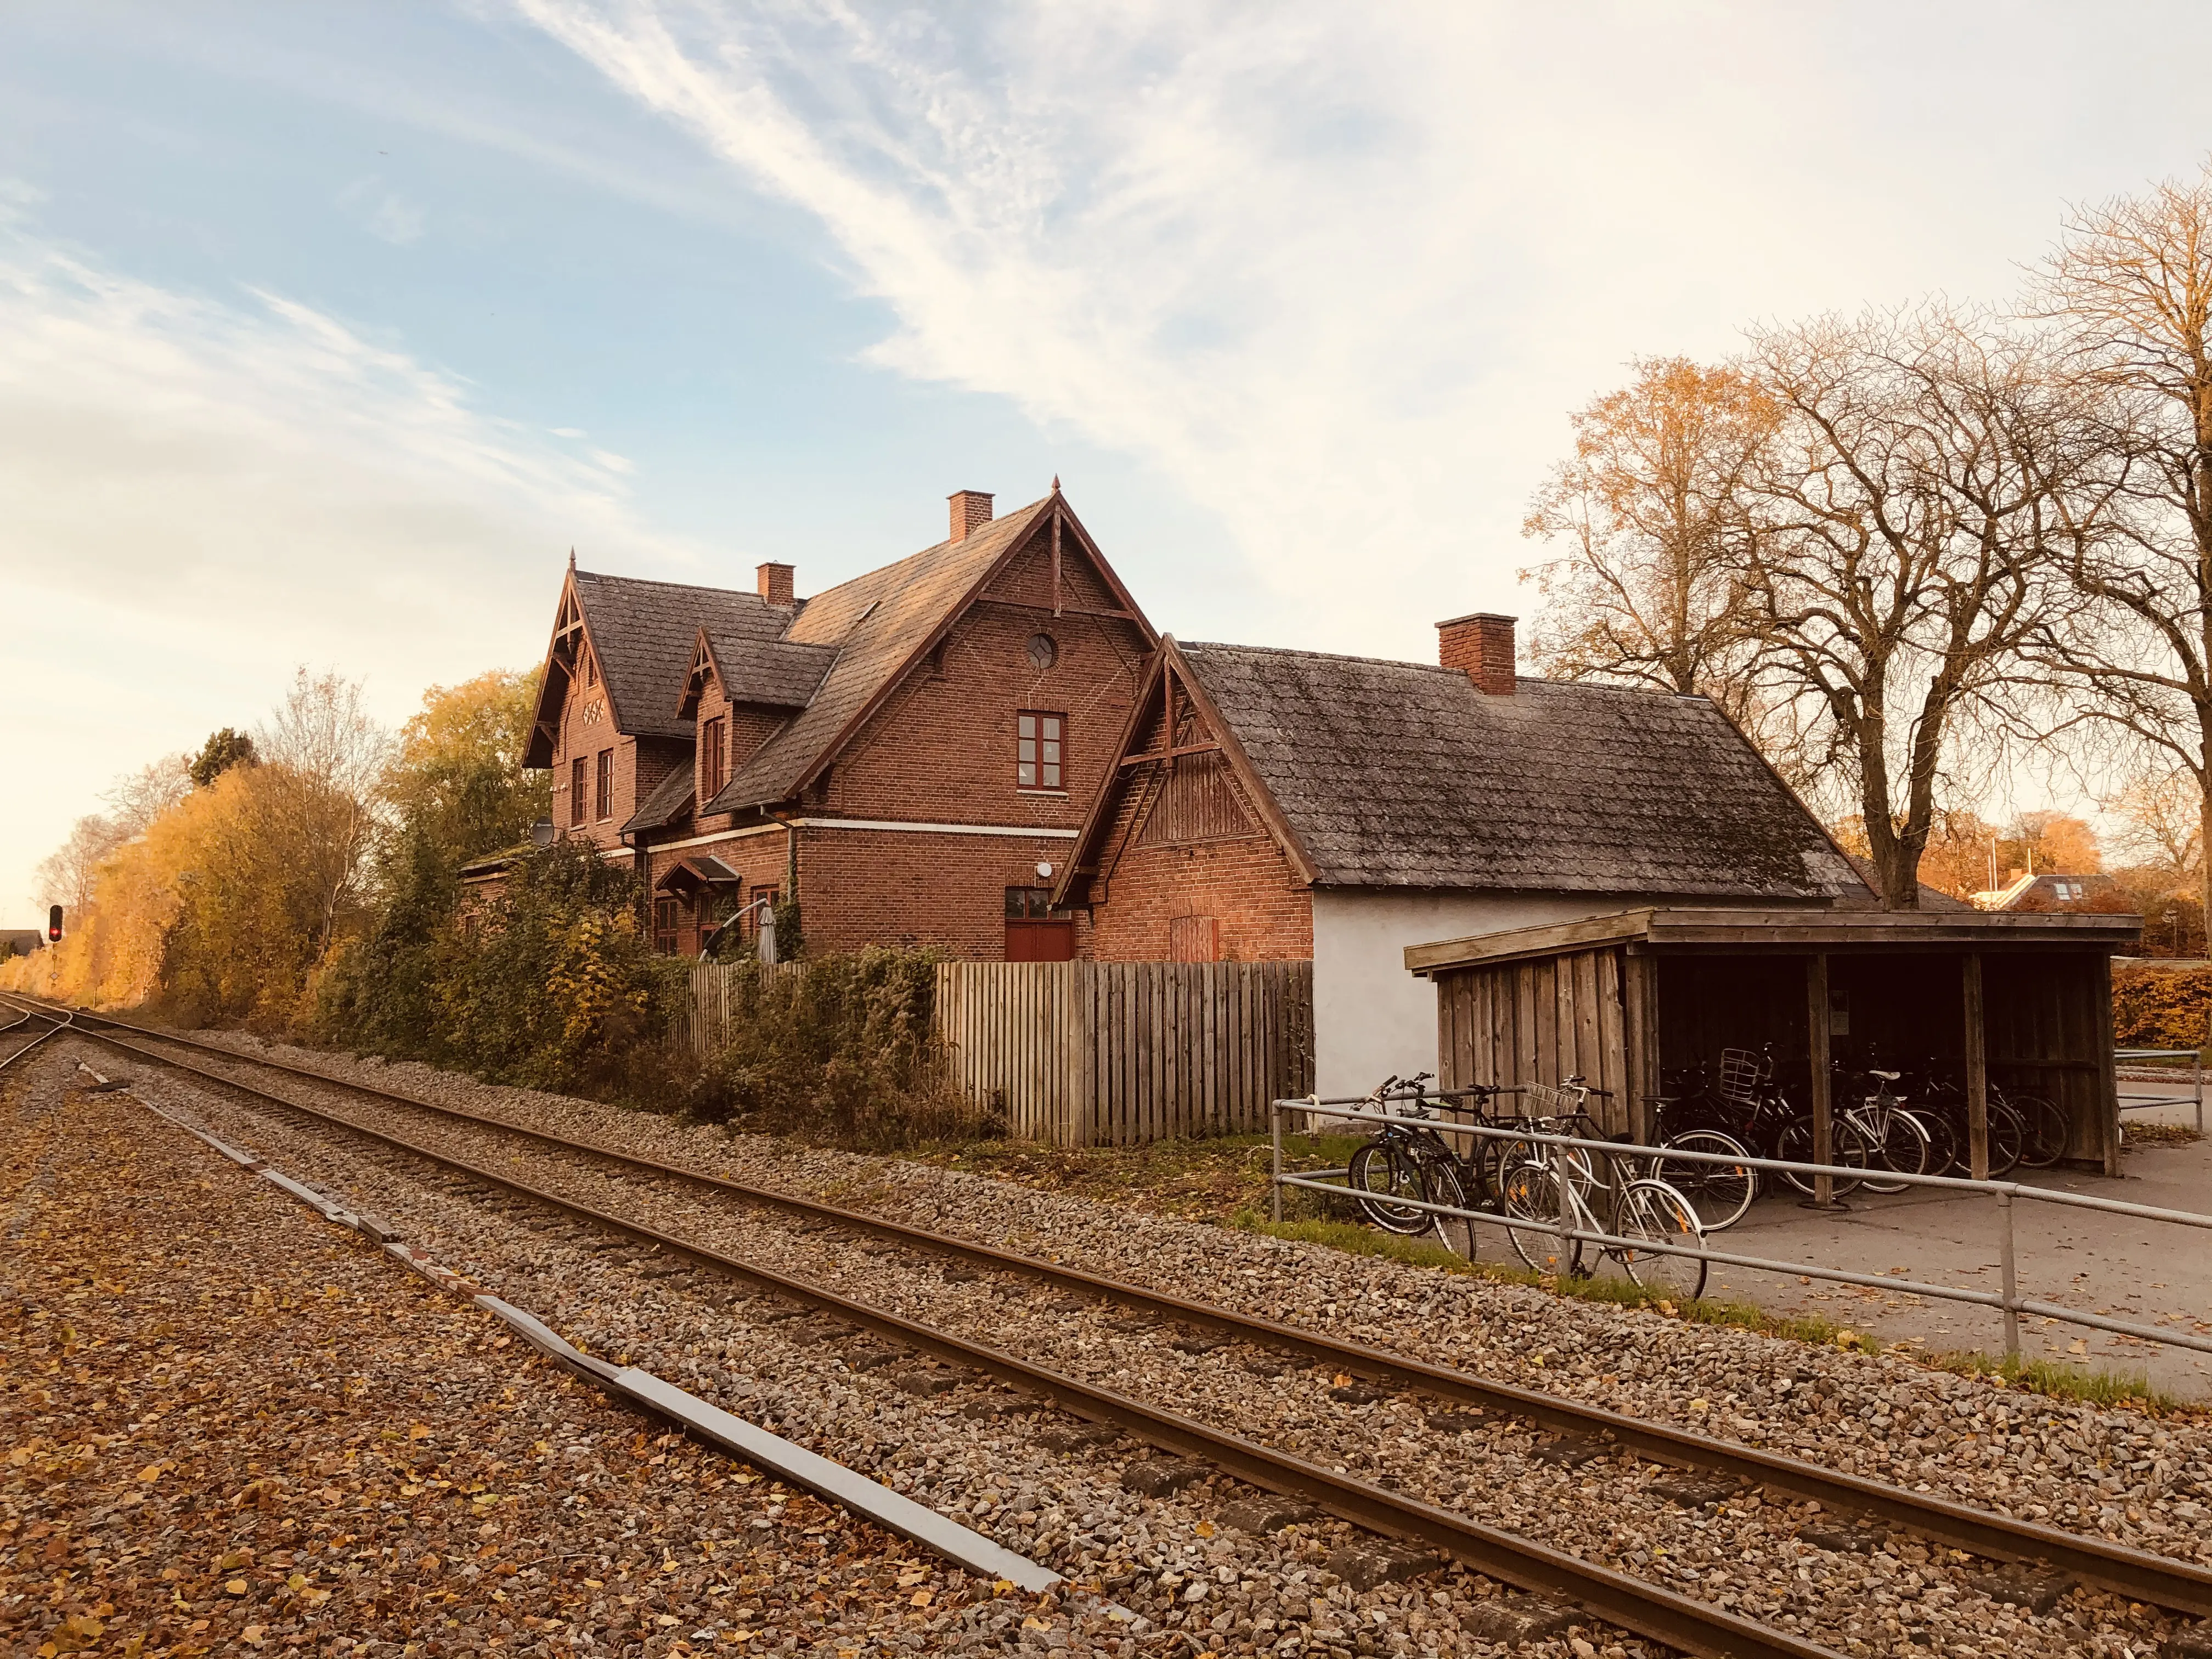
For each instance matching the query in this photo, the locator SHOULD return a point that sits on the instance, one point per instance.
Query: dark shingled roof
(666, 803)
(875, 623)
(1397, 774)
(778, 673)
(644, 634)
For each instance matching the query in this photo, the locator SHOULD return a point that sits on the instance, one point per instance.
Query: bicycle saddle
(1886, 1077)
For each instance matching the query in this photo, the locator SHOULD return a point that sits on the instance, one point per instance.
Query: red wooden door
(1039, 940)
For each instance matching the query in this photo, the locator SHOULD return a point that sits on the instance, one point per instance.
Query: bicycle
(1544, 1178)
(1720, 1194)
(1406, 1162)
(1767, 1119)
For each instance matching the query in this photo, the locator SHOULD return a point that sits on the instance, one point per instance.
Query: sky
(326, 331)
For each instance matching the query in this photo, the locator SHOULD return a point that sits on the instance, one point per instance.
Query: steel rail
(2140, 1575)
(60, 1022)
(1645, 1609)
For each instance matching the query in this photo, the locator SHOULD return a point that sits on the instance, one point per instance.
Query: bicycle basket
(1741, 1073)
(1543, 1100)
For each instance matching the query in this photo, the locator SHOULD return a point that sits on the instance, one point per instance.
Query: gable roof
(644, 634)
(880, 624)
(1386, 774)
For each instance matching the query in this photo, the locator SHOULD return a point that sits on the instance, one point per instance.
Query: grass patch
(2061, 1382)
(1360, 1240)
(1208, 1180)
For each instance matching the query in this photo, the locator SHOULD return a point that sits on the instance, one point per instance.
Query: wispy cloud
(262, 461)
(382, 211)
(1338, 273)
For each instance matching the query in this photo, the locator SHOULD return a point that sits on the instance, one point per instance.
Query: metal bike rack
(2008, 1301)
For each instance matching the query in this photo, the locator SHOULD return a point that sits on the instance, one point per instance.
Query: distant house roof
(1397, 774)
(1933, 900)
(2050, 888)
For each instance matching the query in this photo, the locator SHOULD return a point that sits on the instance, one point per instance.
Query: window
(604, 807)
(664, 927)
(1043, 651)
(576, 791)
(1037, 751)
(1029, 903)
(714, 756)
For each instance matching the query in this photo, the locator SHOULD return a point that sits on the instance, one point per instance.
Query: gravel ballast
(232, 1427)
(1755, 1557)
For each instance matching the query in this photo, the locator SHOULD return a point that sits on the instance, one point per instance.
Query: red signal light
(54, 925)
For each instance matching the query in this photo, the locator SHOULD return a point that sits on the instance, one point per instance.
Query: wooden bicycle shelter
(1628, 999)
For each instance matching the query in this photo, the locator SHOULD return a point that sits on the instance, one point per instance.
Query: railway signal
(54, 924)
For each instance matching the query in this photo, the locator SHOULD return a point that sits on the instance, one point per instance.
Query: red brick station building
(985, 747)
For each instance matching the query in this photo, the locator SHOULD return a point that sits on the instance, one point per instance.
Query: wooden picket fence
(1095, 1053)
(711, 1010)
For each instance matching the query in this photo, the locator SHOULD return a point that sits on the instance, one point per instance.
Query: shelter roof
(1795, 932)
(1399, 774)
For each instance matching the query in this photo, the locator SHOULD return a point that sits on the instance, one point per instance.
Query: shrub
(2161, 1007)
(840, 1051)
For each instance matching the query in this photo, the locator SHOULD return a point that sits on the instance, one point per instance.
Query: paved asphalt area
(2151, 1273)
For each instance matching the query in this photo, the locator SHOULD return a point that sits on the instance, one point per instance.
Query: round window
(1043, 651)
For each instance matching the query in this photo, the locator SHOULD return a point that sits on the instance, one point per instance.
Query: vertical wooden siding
(1088, 1053)
(1539, 1021)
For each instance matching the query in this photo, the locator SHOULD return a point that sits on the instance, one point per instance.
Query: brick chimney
(776, 582)
(972, 510)
(1481, 647)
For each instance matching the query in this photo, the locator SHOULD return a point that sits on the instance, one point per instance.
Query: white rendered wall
(1371, 1018)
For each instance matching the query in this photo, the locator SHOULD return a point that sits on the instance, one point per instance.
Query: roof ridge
(979, 531)
(655, 582)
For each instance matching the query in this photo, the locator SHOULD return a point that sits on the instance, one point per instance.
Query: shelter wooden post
(1639, 989)
(2107, 1090)
(1978, 1071)
(1816, 1050)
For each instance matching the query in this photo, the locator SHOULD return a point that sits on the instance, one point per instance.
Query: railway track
(1622, 1599)
(12, 1030)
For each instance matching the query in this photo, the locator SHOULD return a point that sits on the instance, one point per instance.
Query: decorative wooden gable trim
(1189, 783)
(569, 649)
(702, 673)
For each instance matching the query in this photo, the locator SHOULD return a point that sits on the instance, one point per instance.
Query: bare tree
(1930, 477)
(330, 756)
(1654, 521)
(2131, 284)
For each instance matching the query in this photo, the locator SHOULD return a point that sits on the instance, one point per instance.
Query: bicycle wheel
(1897, 1142)
(1441, 1183)
(1653, 1211)
(2047, 1129)
(1944, 1146)
(1381, 1170)
(2008, 1138)
(1719, 1194)
(1795, 1145)
(1530, 1198)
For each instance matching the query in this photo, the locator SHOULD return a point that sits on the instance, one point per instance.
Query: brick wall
(1264, 911)
(941, 750)
(861, 887)
(586, 728)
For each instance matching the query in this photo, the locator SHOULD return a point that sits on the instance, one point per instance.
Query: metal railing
(2144, 1102)
(2006, 1300)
